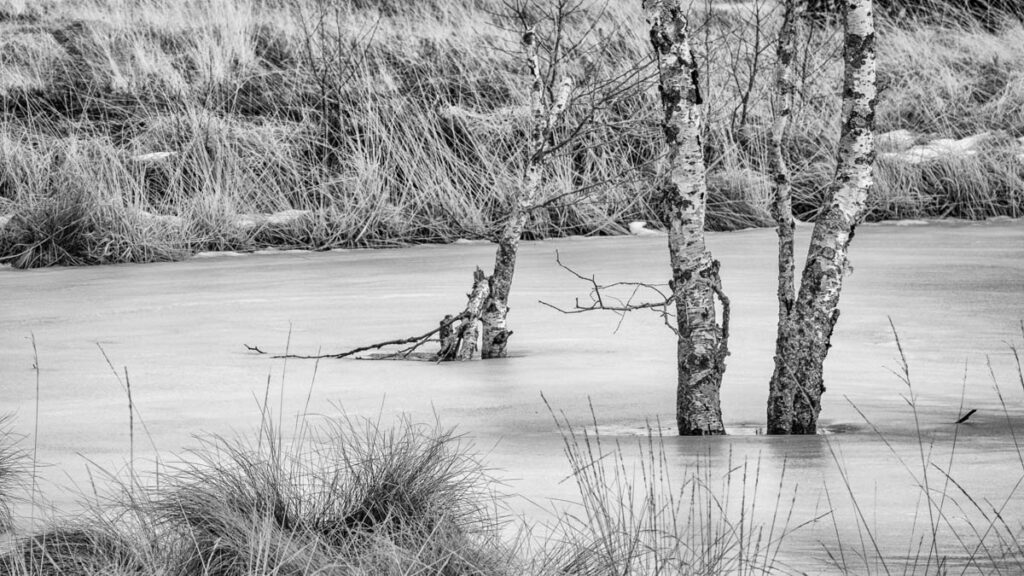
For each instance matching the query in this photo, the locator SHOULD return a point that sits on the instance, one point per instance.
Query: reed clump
(13, 471)
(349, 497)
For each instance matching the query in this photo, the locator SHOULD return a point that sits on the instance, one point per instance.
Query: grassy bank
(141, 130)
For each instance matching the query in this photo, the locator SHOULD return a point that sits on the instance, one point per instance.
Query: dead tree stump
(466, 338)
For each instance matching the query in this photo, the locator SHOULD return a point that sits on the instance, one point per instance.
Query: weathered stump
(466, 339)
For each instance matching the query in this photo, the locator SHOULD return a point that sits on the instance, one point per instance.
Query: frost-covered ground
(955, 291)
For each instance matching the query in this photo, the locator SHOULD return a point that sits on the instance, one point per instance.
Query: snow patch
(161, 219)
(935, 149)
(154, 156)
(1003, 219)
(639, 228)
(286, 217)
(895, 141)
(218, 254)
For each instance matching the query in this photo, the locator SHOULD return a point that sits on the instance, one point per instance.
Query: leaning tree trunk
(804, 337)
(702, 342)
(495, 330)
(779, 400)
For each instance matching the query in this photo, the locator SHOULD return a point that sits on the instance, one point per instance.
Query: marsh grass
(14, 470)
(953, 530)
(407, 497)
(637, 516)
(394, 122)
(351, 496)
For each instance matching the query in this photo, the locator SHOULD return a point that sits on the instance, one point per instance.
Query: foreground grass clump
(355, 497)
(12, 472)
(349, 498)
(389, 501)
(148, 131)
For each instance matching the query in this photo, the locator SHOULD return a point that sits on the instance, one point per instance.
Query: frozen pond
(954, 291)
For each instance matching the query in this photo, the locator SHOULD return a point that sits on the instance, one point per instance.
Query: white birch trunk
(779, 401)
(701, 346)
(804, 340)
(495, 330)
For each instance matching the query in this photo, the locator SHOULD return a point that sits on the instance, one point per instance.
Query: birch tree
(702, 343)
(806, 321)
(556, 35)
(688, 306)
(549, 99)
(782, 203)
(544, 116)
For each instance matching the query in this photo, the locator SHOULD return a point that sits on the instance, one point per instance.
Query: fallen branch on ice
(458, 334)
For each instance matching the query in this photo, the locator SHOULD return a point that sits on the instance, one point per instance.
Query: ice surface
(955, 293)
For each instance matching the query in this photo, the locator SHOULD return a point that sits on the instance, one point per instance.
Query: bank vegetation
(145, 130)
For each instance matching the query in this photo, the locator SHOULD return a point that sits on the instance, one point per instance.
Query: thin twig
(601, 300)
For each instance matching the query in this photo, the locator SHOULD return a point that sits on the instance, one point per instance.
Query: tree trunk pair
(807, 319)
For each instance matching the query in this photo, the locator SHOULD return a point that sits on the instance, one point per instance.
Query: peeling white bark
(495, 330)
(804, 340)
(779, 399)
(469, 333)
(701, 346)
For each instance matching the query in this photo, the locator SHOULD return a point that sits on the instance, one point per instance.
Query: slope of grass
(143, 130)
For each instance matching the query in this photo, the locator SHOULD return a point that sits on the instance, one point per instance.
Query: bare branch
(416, 342)
(716, 287)
(601, 299)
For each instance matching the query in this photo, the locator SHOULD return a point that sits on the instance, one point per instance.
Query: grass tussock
(350, 497)
(13, 471)
(140, 131)
(355, 497)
